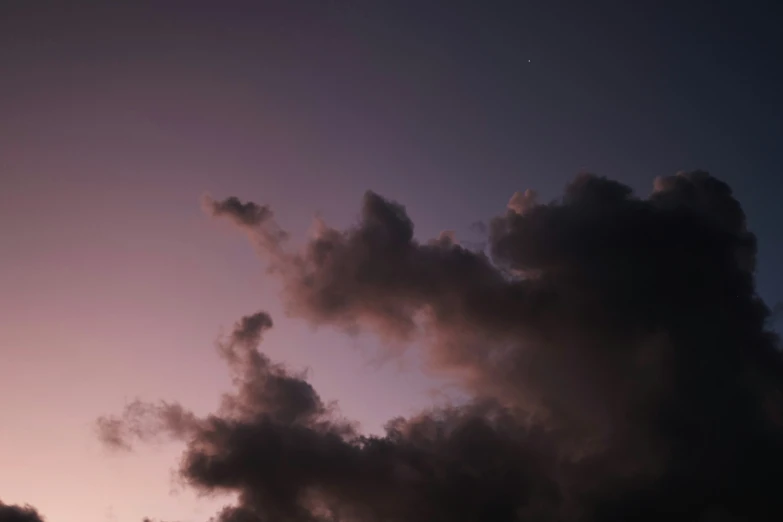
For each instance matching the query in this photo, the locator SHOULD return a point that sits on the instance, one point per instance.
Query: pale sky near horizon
(115, 120)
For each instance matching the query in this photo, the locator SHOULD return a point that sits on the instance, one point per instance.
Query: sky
(118, 279)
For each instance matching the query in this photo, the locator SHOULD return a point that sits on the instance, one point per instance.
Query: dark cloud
(13, 513)
(614, 349)
(257, 220)
(243, 214)
(263, 390)
(777, 312)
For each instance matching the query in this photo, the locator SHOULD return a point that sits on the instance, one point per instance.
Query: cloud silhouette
(13, 513)
(243, 214)
(256, 220)
(615, 352)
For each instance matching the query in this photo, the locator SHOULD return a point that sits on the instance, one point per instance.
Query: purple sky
(115, 120)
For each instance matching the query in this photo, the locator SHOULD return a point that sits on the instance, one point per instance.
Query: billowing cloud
(13, 513)
(614, 348)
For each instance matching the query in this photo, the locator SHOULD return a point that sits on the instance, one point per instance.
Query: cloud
(243, 214)
(613, 348)
(13, 513)
(521, 202)
(146, 422)
(256, 220)
(777, 312)
(263, 390)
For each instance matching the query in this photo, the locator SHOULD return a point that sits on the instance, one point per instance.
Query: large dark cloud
(13, 513)
(616, 356)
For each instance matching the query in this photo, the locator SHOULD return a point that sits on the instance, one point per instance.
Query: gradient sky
(115, 120)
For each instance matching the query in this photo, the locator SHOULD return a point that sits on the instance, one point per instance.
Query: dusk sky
(124, 127)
